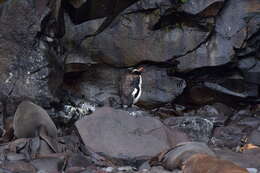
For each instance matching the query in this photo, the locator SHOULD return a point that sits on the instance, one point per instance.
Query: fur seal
(203, 163)
(30, 119)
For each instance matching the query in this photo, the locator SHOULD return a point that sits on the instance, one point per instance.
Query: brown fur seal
(203, 163)
(173, 158)
(30, 119)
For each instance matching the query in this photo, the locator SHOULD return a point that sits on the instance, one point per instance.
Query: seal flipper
(43, 134)
(34, 145)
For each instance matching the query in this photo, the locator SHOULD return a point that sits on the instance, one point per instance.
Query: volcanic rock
(25, 70)
(199, 129)
(117, 134)
(247, 159)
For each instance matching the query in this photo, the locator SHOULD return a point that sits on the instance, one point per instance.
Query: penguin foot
(125, 106)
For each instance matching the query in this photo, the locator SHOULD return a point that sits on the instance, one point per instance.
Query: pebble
(252, 170)
(126, 168)
(108, 169)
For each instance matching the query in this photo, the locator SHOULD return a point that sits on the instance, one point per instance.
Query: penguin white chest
(136, 94)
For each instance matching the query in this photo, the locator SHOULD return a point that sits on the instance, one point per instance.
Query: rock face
(130, 40)
(100, 83)
(117, 134)
(133, 41)
(24, 69)
(194, 7)
(159, 88)
(230, 32)
(251, 69)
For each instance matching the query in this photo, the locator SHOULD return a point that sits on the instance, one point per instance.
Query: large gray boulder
(198, 128)
(117, 134)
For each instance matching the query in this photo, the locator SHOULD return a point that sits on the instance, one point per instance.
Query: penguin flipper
(127, 89)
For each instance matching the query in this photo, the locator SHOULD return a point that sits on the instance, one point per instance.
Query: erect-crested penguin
(131, 87)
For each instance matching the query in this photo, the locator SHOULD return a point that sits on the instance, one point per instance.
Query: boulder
(247, 159)
(251, 69)
(228, 136)
(159, 88)
(18, 166)
(48, 164)
(198, 128)
(78, 160)
(254, 137)
(117, 134)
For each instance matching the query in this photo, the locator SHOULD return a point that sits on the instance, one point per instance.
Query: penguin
(131, 87)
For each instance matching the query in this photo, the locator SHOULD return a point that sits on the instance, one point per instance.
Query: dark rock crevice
(93, 10)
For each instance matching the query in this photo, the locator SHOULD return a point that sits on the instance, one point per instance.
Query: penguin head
(136, 71)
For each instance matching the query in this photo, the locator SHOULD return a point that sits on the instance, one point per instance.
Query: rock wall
(169, 38)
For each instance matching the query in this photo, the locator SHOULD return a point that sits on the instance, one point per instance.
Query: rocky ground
(61, 68)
